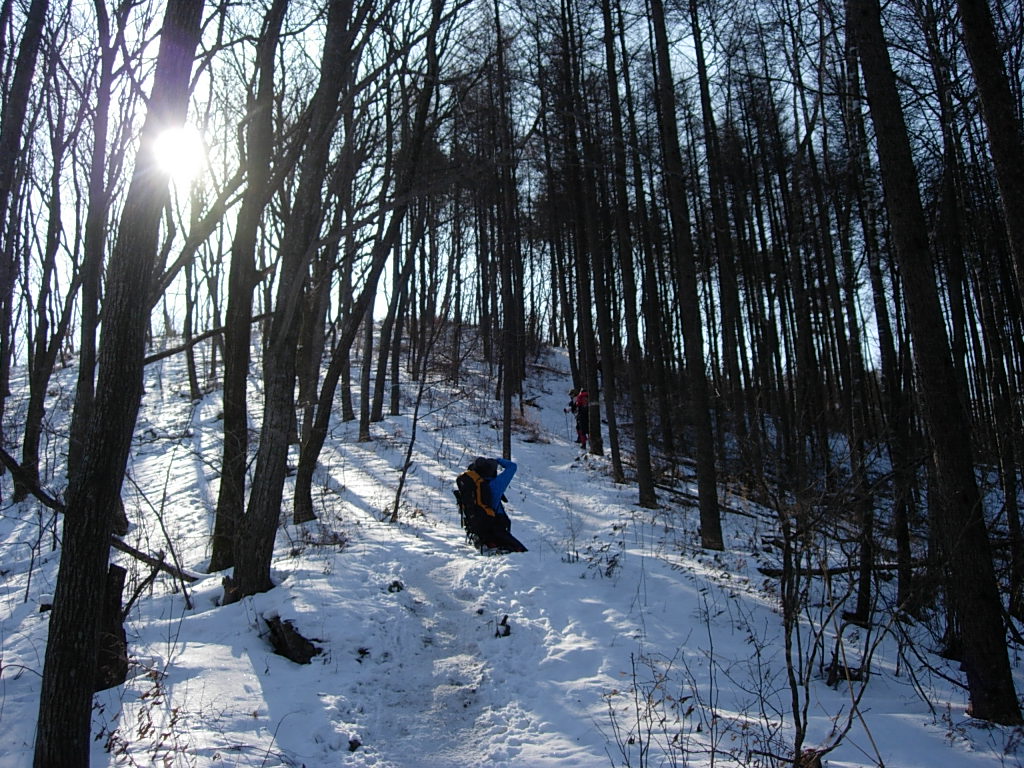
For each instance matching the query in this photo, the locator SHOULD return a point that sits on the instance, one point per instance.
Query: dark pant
(582, 425)
(493, 532)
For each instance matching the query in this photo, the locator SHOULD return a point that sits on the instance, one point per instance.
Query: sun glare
(180, 153)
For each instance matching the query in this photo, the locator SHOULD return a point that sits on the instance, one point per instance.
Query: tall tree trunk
(63, 733)
(693, 336)
(16, 102)
(999, 110)
(348, 412)
(312, 338)
(624, 244)
(12, 123)
(407, 177)
(366, 366)
(95, 239)
(254, 543)
(654, 316)
(602, 272)
(895, 406)
(959, 518)
(45, 345)
(194, 392)
(1005, 396)
(732, 339)
(387, 330)
(508, 251)
(559, 260)
(314, 444)
(395, 390)
(241, 283)
(583, 231)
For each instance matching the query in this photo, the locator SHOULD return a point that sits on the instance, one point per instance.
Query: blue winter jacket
(499, 484)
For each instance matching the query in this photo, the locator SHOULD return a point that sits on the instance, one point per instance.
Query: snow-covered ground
(627, 643)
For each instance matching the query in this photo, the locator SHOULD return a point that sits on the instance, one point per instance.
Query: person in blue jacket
(497, 484)
(496, 529)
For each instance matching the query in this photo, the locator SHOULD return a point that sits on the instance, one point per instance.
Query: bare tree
(46, 339)
(241, 283)
(507, 246)
(12, 122)
(95, 239)
(404, 190)
(63, 733)
(710, 517)
(1000, 111)
(624, 244)
(258, 527)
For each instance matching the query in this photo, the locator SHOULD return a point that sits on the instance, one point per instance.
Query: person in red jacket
(579, 403)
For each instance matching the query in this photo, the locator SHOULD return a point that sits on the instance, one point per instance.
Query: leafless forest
(782, 240)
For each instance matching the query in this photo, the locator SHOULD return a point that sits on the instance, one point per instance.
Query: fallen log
(158, 563)
(191, 342)
(835, 571)
(58, 506)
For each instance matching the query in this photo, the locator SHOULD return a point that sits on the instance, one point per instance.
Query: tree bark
(112, 649)
(254, 543)
(693, 335)
(999, 110)
(241, 283)
(63, 733)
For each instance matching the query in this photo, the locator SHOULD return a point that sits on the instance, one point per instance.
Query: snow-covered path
(415, 670)
(626, 645)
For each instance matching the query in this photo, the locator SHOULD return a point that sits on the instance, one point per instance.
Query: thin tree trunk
(315, 305)
(732, 339)
(241, 283)
(12, 123)
(94, 241)
(508, 250)
(602, 271)
(348, 412)
(387, 331)
(624, 243)
(384, 245)
(693, 336)
(583, 232)
(45, 345)
(313, 445)
(186, 335)
(364, 376)
(254, 544)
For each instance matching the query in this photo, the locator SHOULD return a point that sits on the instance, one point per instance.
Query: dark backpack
(473, 509)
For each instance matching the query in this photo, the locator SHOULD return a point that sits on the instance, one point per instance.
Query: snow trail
(623, 635)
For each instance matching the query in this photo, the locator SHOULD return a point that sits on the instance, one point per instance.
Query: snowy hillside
(627, 644)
